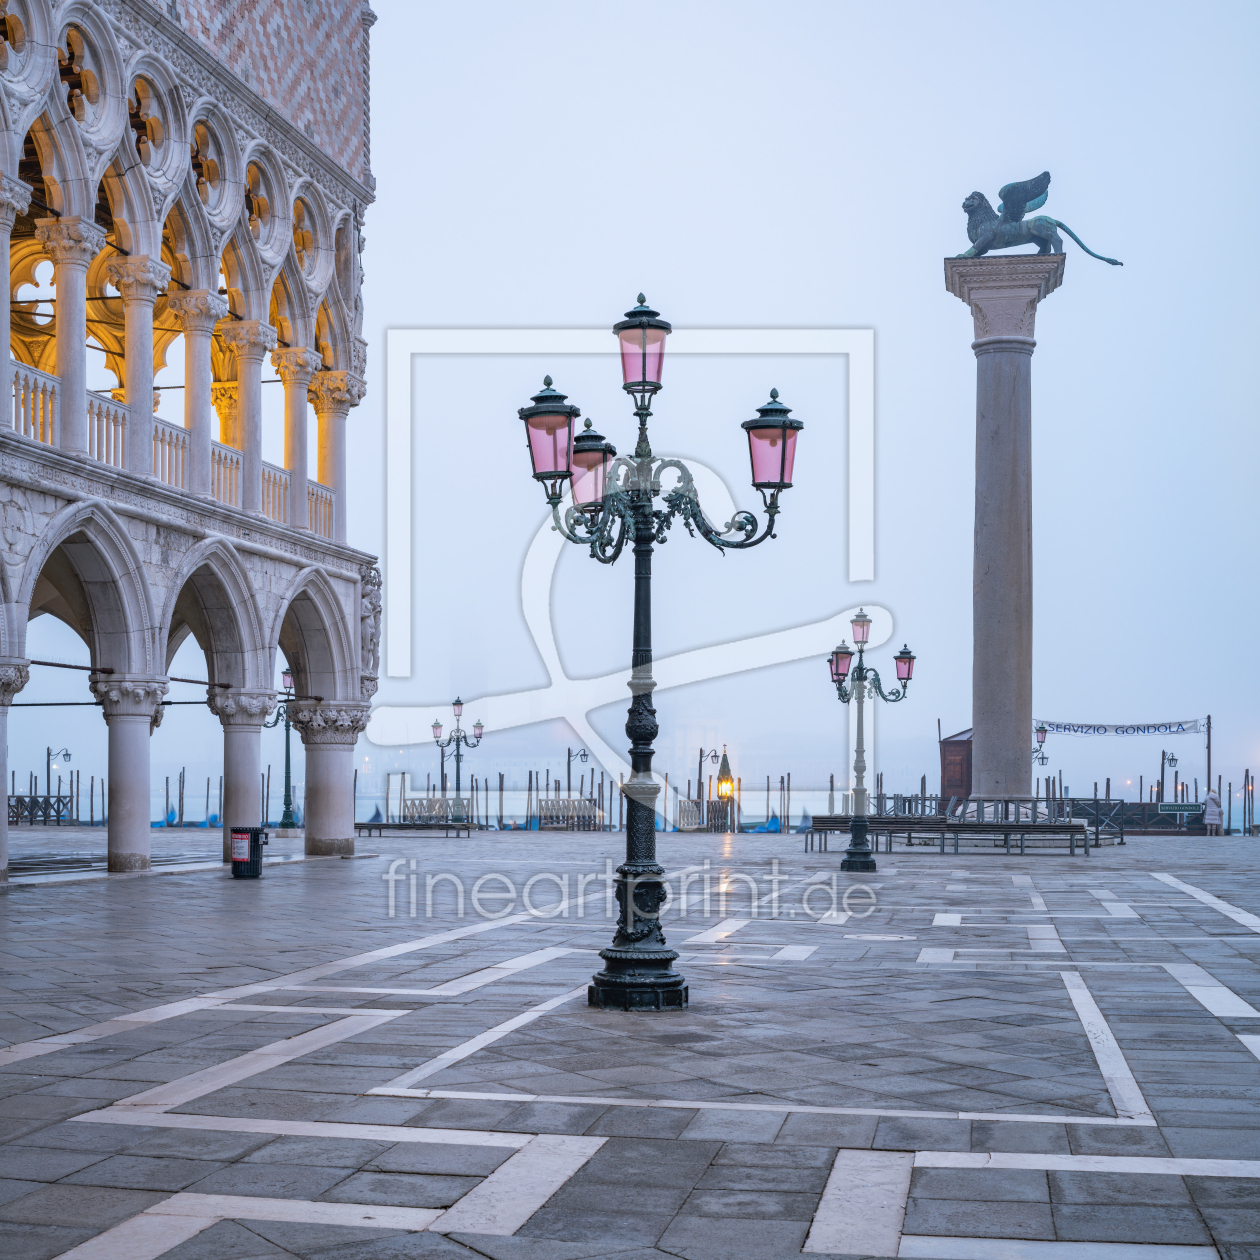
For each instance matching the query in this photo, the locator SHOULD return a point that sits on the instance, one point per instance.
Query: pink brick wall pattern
(306, 58)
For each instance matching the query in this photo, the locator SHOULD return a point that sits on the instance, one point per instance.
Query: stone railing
(170, 453)
(225, 474)
(320, 498)
(275, 493)
(34, 403)
(107, 430)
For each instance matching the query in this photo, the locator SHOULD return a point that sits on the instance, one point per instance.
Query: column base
(329, 848)
(128, 863)
(858, 856)
(634, 980)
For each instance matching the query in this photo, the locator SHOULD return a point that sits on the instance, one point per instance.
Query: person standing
(1212, 812)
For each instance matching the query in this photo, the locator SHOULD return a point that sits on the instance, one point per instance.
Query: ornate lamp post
(1039, 752)
(458, 739)
(863, 682)
(726, 791)
(581, 755)
(287, 821)
(614, 502)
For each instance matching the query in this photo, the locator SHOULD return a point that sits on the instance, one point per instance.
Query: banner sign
(1189, 727)
(1195, 807)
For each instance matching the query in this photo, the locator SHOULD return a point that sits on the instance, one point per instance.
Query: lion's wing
(1019, 198)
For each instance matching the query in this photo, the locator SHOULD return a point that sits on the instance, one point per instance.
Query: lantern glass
(437, 730)
(642, 354)
(772, 449)
(905, 664)
(477, 730)
(1172, 759)
(458, 706)
(1041, 734)
(841, 658)
(287, 679)
(861, 628)
(551, 444)
(591, 458)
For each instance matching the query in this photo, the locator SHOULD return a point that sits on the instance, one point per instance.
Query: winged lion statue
(1006, 227)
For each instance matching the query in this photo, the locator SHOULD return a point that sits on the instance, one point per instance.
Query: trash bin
(247, 843)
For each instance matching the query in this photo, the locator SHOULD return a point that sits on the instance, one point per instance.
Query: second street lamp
(287, 821)
(458, 739)
(614, 501)
(863, 682)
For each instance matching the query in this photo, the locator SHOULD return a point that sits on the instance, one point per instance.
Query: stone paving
(972, 1056)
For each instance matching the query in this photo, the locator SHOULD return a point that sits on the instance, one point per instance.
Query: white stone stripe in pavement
(156, 1118)
(143, 1237)
(1045, 1162)
(1126, 1094)
(915, 1247)
(1233, 912)
(691, 1104)
(718, 933)
(1209, 992)
(863, 1204)
(510, 1195)
(1121, 910)
(463, 1050)
(947, 920)
(196, 1084)
(1251, 1041)
(1044, 938)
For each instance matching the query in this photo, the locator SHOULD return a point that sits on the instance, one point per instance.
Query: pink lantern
(1041, 734)
(642, 336)
(905, 663)
(861, 628)
(772, 445)
(841, 658)
(477, 729)
(549, 429)
(591, 457)
(437, 730)
(458, 706)
(287, 679)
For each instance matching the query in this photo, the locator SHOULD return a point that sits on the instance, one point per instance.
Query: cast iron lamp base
(633, 981)
(858, 856)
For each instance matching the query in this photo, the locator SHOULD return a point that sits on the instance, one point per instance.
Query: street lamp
(614, 501)
(458, 739)
(726, 791)
(48, 760)
(287, 820)
(863, 682)
(581, 755)
(1039, 752)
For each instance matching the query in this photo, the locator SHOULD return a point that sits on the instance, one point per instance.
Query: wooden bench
(941, 828)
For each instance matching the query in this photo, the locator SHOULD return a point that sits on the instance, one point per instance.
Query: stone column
(198, 310)
(139, 279)
(242, 714)
(15, 199)
(223, 395)
(295, 367)
(332, 394)
(329, 734)
(132, 710)
(72, 243)
(14, 675)
(253, 340)
(1003, 293)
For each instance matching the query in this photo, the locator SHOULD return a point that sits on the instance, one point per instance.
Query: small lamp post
(457, 739)
(726, 790)
(581, 755)
(1039, 752)
(863, 681)
(615, 503)
(287, 820)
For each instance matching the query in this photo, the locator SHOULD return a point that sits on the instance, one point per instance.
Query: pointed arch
(311, 629)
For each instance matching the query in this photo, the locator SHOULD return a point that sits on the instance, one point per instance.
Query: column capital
(325, 724)
(250, 338)
(1003, 291)
(242, 708)
(335, 391)
(14, 675)
(199, 310)
(138, 278)
(70, 239)
(15, 199)
(123, 696)
(295, 365)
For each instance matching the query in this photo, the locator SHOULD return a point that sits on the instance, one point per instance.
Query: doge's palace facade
(198, 170)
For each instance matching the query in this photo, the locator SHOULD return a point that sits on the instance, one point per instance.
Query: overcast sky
(803, 165)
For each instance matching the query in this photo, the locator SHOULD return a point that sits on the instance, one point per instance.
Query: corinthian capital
(335, 391)
(250, 338)
(14, 675)
(139, 278)
(15, 199)
(130, 697)
(295, 365)
(198, 309)
(242, 708)
(331, 723)
(70, 239)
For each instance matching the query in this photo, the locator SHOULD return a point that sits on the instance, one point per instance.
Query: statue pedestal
(1003, 293)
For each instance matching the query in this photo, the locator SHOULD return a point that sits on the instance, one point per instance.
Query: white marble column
(132, 709)
(329, 734)
(242, 714)
(252, 340)
(1003, 293)
(139, 279)
(72, 243)
(199, 310)
(332, 394)
(15, 199)
(295, 366)
(14, 675)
